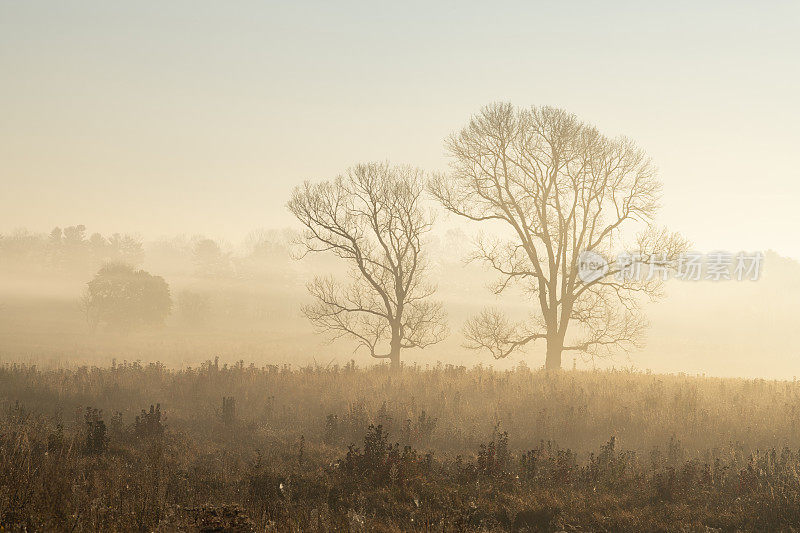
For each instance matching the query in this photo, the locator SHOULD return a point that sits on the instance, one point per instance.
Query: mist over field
(412, 267)
(243, 303)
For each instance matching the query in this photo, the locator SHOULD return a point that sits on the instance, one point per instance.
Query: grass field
(430, 449)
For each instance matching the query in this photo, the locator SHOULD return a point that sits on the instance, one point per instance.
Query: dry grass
(449, 449)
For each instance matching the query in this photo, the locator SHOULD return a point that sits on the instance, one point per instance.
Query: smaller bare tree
(372, 217)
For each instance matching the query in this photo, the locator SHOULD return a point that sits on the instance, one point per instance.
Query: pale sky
(199, 117)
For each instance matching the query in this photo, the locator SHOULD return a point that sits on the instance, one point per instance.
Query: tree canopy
(121, 297)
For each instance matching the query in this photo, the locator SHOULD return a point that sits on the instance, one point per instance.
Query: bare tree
(372, 218)
(560, 192)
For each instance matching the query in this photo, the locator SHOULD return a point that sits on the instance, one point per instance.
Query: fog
(174, 134)
(242, 301)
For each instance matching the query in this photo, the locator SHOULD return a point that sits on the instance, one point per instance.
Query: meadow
(440, 448)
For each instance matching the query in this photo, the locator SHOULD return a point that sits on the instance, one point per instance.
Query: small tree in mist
(210, 260)
(557, 188)
(121, 297)
(373, 219)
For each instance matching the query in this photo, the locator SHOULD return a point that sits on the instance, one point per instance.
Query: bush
(121, 298)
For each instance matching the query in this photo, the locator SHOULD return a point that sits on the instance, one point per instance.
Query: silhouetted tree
(67, 250)
(24, 251)
(372, 218)
(558, 188)
(267, 256)
(210, 260)
(122, 297)
(118, 248)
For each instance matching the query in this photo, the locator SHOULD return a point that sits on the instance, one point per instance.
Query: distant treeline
(68, 249)
(72, 250)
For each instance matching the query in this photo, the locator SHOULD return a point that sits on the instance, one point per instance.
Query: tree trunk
(394, 354)
(554, 348)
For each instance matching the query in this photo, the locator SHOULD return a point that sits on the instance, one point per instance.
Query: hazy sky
(199, 117)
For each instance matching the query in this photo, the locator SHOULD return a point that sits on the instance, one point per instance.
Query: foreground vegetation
(141, 447)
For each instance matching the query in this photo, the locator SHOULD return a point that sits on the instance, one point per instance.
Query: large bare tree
(373, 218)
(563, 197)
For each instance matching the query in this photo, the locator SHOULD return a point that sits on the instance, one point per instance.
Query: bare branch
(492, 330)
